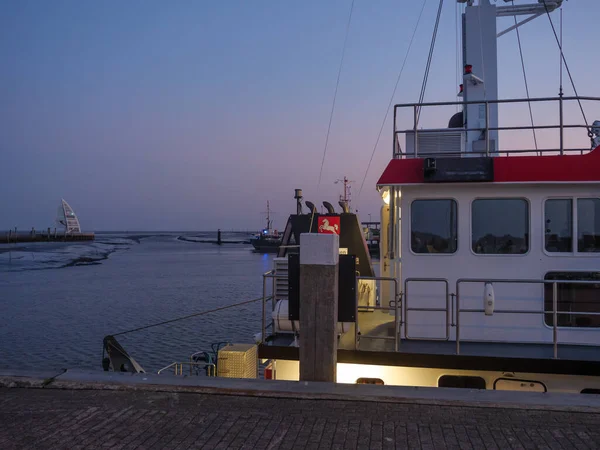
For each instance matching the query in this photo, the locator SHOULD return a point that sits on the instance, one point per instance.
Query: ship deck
(504, 356)
(379, 324)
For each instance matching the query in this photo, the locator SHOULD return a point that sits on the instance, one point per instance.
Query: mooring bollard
(319, 267)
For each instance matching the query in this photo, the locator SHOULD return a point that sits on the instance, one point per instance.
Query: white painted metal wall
(466, 264)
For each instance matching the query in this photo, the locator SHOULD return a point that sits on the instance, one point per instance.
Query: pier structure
(70, 230)
(15, 237)
(92, 409)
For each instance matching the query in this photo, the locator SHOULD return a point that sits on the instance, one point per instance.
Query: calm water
(54, 314)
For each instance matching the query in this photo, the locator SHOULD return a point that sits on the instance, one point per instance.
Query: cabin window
(588, 225)
(433, 226)
(461, 381)
(378, 381)
(575, 301)
(591, 391)
(559, 225)
(500, 226)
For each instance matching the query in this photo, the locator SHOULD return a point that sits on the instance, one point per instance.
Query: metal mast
(345, 197)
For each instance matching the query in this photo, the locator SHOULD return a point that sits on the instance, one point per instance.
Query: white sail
(68, 218)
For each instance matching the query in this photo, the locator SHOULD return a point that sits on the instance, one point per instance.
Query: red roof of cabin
(510, 169)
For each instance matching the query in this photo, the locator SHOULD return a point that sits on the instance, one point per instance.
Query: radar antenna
(345, 197)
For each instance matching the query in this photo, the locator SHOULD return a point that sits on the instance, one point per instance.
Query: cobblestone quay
(80, 418)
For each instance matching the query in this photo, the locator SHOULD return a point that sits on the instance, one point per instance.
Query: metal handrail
(446, 310)
(499, 101)
(395, 308)
(543, 151)
(554, 311)
(178, 366)
(417, 106)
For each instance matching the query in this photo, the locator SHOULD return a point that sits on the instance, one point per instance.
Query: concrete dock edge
(75, 379)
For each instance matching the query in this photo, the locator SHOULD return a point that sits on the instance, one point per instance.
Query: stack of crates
(238, 361)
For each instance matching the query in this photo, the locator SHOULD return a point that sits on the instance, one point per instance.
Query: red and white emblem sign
(329, 224)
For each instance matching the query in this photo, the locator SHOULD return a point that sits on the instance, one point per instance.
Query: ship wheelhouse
(494, 248)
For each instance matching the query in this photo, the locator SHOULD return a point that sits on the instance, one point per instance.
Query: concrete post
(319, 268)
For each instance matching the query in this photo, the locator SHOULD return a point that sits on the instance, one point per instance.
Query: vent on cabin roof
(281, 281)
(432, 142)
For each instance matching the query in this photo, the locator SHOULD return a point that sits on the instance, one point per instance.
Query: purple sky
(190, 115)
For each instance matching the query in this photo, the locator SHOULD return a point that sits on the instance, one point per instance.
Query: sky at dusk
(190, 115)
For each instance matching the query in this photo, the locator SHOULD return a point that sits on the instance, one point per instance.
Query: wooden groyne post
(319, 271)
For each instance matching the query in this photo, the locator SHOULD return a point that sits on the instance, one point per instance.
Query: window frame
(503, 255)
(573, 225)
(562, 327)
(410, 248)
(574, 253)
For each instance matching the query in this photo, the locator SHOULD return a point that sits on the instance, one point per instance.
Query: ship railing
(447, 309)
(272, 275)
(555, 312)
(561, 127)
(394, 305)
(211, 368)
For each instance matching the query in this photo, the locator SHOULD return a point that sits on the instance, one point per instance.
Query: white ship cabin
(477, 232)
(478, 260)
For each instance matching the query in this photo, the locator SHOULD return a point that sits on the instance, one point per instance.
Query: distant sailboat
(68, 218)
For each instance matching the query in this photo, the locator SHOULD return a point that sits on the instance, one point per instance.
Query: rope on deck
(201, 313)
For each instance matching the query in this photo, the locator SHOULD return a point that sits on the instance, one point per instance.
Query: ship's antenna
(345, 197)
(560, 53)
(268, 213)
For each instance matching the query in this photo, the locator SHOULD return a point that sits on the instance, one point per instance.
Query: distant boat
(268, 240)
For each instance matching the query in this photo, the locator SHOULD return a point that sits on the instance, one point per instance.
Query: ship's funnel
(312, 209)
(329, 207)
(344, 206)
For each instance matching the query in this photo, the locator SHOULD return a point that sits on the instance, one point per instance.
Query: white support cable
(562, 55)
(429, 58)
(526, 83)
(392, 97)
(337, 83)
(481, 51)
(458, 52)
(519, 24)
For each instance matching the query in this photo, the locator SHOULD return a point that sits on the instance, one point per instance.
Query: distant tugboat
(268, 240)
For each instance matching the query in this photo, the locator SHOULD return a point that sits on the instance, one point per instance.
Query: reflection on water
(56, 318)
